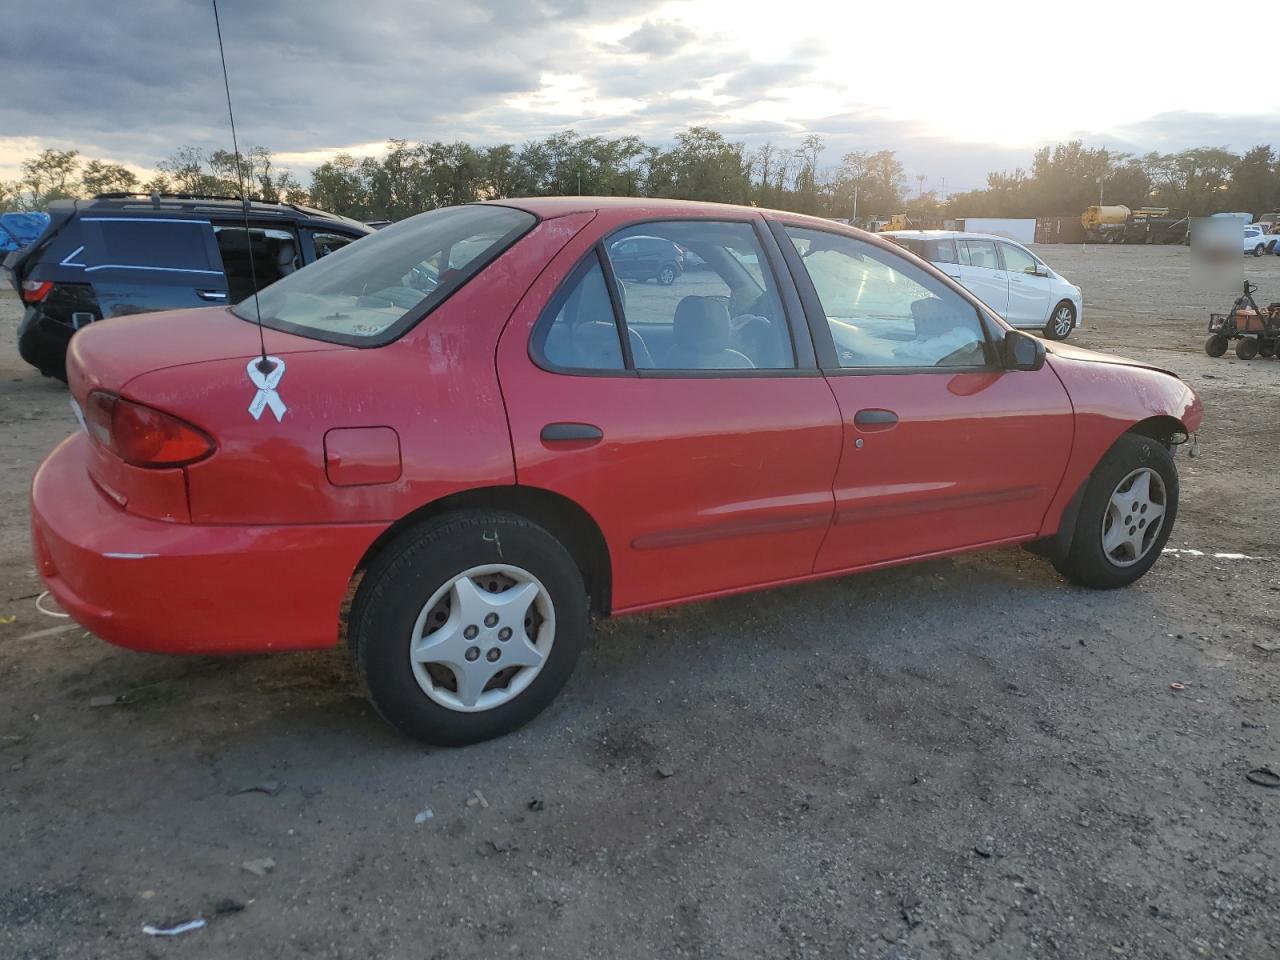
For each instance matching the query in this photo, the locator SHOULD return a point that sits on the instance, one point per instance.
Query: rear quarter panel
(1109, 398)
(436, 387)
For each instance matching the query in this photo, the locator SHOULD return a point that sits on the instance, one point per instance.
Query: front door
(982, 273)
(677, 417)
(1028, 292)
(943, 450)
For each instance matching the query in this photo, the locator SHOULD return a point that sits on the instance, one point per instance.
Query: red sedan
(467, 434)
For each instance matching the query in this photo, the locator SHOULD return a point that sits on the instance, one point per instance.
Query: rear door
(983, 274)
(688, 420)
(140, 264)
(1028, 293)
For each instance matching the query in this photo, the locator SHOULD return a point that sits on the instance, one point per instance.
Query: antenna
(264, 365)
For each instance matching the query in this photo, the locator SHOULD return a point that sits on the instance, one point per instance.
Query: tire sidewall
(413, 568)
(1087, 561)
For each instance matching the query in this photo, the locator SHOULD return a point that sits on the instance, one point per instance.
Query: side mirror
(1021, 351)
(1040, 270)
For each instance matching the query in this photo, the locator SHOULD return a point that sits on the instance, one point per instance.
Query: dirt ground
(962, 758)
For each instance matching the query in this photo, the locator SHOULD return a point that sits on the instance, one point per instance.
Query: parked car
(647, 258)
(124, 253)
(451, 480)
(1256, 242)
(1004, 274)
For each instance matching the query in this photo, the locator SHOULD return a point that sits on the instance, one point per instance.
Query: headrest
(701, 324)
(286, 254)
(932, 316)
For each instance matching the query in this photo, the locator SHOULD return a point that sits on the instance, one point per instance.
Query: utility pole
(920, 179)
(855, 200)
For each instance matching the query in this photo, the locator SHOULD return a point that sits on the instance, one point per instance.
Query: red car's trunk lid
(108, 354)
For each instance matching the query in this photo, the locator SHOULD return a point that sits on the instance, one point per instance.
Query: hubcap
(1064, 321)
(1134, 517)
(482, 638)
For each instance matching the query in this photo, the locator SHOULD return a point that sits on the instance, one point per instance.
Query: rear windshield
(371, 291)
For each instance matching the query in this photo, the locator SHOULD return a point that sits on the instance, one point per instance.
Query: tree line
(701, 164)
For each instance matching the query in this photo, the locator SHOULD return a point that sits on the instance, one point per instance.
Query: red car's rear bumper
(182, 588)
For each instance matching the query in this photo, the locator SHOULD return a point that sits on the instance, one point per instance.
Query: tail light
(143, 436)
(33, 291)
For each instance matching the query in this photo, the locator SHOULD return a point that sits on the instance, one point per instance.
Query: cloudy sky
(956, 89)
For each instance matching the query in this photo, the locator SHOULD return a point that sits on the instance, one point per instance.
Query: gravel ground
(962, 758)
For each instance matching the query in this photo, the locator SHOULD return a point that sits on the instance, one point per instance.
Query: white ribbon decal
(266, 384)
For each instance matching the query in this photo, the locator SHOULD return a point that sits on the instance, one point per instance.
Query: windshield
(373, 289)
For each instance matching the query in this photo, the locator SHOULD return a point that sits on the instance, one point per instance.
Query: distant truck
(1116, 223)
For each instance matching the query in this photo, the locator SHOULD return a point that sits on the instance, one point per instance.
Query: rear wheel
(1267, 348)
(667, 275)
(1061, 322)
(1216, 345)
(1259, 250)
(1126, 515)
(1247, 348)
(467, 627)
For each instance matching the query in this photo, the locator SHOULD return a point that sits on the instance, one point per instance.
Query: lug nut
(504, 634)
(471, 631)
(473, 653)
(493, 654)
(490, 619)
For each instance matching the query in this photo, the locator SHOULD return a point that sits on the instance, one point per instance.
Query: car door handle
(571, 433)
(873, 417)
(211, 294)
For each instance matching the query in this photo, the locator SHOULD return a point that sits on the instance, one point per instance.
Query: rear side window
(374, 290)
(583, 334)
(941, 251)
(273, 252)
(979, 253)
(151, 244)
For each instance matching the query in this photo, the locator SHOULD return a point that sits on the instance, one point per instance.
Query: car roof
(142, 205)
(946, 235)
(550, 207)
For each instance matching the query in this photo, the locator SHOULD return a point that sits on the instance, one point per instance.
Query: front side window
(1017, 260)
(883, 310)
(327, 243)
(700, 297)
(376, 288)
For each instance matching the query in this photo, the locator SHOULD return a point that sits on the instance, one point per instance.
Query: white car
(1005, 275)
(1257, 242)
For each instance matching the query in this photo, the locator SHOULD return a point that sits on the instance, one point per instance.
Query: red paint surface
(700, 486)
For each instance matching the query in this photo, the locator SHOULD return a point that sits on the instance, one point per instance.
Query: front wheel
(1247, 348)
(1259, 250)
(1126, 515)
(467, 627)
(1267, 348)
(1216, 345)
(1061, 322)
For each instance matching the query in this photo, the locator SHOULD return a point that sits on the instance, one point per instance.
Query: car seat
(701, 333)
(286, 258)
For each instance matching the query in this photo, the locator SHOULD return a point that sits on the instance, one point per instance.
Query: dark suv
(134, 253)
(647, 258)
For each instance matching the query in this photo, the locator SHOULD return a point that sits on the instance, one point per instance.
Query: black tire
(1267, 348)
(1247, 348)
(405, 575)
(1259, 250)
(1061, 321)
(1216, 345)
(1086, 563)
(667, 274)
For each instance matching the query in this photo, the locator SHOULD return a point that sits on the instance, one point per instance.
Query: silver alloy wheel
(1134, 517)
(482, 637)
(1063, 320)
(667, 276)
